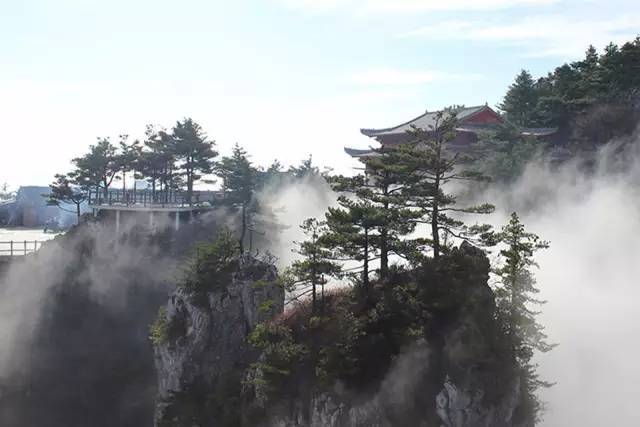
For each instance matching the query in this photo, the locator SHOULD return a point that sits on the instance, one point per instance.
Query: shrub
(159, 329)
(211, 266)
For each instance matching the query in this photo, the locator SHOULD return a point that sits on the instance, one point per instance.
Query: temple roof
(538, 131)
(354, 152)
(425, 121)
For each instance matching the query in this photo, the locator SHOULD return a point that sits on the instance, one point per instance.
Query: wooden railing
(19, 248)
(147, 198)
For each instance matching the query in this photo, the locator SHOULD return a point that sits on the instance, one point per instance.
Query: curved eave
(358, 153)
(539, 132)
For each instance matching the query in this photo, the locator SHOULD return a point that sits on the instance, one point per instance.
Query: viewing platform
(175, 204)
(147, 200)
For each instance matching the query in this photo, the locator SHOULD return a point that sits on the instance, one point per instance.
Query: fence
(146, 198)
(19, 248)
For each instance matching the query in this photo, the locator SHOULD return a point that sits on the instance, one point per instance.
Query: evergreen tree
(386, 186)
(515, 299)
(193, 151)
(98, 168)
(315, 267)
(128, 158)
(5, 194)
(64, 191)
(306, 168)
(239, 180)
(590, 76)
(521, 99)
(158, 163)
(351, 235)
(433, 167)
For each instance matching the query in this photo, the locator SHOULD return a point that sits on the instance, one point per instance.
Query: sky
(283, 78)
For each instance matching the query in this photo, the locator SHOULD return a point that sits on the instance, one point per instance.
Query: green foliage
(355, 344)
(506, 159)
(434, 168)
(212, 265)
(239, 181)
(604, 87)
(5, 194)
(193, 152)
(198, 404)
(381, 216)
(315, 267)
(515, 299)
(164, 331)
(602, 123)
(280, 354)
(97, 168)
(521, 99)
(159, 329)
(63, 191)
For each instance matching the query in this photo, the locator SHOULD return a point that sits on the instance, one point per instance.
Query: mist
(590, 215)
(589, 210)
(589, 277)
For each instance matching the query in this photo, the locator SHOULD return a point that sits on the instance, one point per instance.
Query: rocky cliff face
(457, 375)
(206, 346)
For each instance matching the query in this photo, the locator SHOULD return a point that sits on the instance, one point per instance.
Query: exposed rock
(457, 375)
(464, 407)
(208, 335)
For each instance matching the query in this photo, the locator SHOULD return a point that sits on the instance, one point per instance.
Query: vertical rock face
(465, 407)
(206, 343)
(457, 375)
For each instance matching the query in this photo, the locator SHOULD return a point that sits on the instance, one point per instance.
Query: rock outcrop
(206, 343)
(456, 375)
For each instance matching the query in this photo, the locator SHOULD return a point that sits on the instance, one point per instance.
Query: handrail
(150, 198)
(19, 247)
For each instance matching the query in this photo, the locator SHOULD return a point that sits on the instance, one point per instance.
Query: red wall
(484, 117)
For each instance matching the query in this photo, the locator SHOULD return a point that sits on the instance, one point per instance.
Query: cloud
(399, 77)
(542, 35)
(411, 6)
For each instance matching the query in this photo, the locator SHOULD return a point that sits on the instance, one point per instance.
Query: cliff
(204, 345)
(428, 352)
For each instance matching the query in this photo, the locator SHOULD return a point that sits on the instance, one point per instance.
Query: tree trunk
(384, 253)
(384, 239)
(435, 232)
(243, 228)
(365, 272)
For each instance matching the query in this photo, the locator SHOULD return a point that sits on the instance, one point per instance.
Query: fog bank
(589, 276)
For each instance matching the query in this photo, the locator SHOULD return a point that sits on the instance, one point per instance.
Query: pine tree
(5, 194)
(520, 101)
(515, 299)
(128, 158)
(433, 167)
(384, 187)
(239, 180)
(193, 151)
(315, 267)
(590, 76)
(65, 191)
(98, 168)
(158, 163)
(351, 235)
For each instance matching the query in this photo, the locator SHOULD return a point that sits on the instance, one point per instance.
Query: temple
(471, 121)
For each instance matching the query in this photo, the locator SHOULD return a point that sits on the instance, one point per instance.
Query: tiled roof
(538, 131)
(424, 121)
(354, 152)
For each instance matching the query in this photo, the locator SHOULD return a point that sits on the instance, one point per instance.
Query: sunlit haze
(284, 78)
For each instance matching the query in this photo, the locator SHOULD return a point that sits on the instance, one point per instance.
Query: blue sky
(284, 78)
